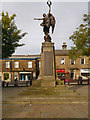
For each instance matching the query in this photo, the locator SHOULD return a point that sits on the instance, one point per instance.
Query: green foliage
(10, 35)
(81, 40)
(6, 76)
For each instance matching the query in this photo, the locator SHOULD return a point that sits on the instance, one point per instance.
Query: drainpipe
(35, 69)
(11, 70)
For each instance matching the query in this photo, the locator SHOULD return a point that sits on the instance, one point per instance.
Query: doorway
(72, 74)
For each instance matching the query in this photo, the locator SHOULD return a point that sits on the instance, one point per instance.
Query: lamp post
(11, 70)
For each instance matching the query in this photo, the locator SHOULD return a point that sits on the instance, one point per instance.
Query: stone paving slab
(41, 106)
(46, 111)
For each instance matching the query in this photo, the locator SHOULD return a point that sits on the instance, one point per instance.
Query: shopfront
(25, 76)
(61, 73)
(85, 72)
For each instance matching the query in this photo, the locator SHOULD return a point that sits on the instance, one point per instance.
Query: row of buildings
(26, 67)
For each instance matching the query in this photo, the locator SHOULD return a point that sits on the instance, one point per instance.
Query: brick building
(69, 67)
(20, 66)
(25, 67)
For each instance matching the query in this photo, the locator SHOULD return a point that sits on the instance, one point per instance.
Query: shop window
(16, 64)
(6, 76)
(22, 77)
(72, 62)
(62, 61)
(61, 76)
(29, 64)
(82, 61)
(7, 64)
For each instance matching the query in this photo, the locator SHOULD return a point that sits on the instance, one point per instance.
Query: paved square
(65, 102)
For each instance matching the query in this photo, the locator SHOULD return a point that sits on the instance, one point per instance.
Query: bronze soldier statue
(48, 20)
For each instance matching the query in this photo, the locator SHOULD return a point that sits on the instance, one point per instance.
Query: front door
(72, 74)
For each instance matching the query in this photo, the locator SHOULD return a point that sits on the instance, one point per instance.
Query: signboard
(61, 70)
(25, 72)
(85, 70)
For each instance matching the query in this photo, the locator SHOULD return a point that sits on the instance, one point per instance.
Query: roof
(24, 56)
(21, 58)
(61, 52)
(34, 57)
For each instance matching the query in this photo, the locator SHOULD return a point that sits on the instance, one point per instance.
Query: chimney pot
(64, 46)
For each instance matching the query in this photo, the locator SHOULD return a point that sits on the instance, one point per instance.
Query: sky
(68, 16)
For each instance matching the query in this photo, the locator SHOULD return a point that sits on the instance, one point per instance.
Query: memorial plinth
(47, 68)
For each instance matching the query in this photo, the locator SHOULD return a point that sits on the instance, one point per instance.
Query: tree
(10, 35)
(81, 39)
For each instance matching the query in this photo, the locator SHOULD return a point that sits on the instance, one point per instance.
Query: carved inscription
(48, 63)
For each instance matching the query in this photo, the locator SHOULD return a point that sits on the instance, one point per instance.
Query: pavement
(33, 102)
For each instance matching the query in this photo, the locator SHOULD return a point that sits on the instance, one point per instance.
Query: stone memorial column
(47, 69)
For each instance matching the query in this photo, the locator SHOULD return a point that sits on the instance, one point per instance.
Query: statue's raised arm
(49, 3)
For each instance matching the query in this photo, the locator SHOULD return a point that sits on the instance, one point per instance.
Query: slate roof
(25, 56)
(57, 52)
(61, 52)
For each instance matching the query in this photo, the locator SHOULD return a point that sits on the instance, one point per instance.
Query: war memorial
(47, 70)
(45, 100)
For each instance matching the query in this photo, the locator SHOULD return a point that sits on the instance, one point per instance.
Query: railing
(80, 82)
(16, 83)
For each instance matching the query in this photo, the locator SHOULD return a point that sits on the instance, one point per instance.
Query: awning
(60, 71)
(25, 72)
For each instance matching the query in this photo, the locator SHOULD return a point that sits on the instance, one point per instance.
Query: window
(82, 61)
(62, 61)
(72, 62)
(7, 64)
(16, 64)
(29, 64)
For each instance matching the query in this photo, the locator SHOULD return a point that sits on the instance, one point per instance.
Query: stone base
(48, 83)
(47, 67)
(45, 81)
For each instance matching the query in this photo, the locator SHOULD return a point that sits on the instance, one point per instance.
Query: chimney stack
(64, 46)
